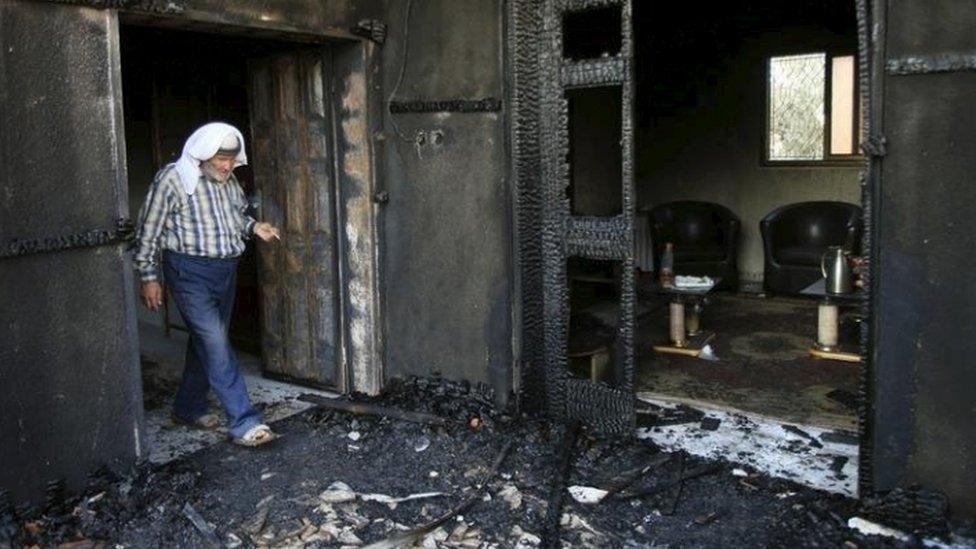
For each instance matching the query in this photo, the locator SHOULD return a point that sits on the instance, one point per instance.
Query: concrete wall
(70, 397)
(447, 240)
(713, 152)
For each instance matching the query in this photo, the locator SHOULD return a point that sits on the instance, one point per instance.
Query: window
(813, 111)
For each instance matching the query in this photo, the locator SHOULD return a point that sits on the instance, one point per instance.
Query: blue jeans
(203, 289)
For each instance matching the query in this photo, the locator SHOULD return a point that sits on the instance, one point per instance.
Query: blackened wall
(69, 388)
(447, 228)
(926, 292)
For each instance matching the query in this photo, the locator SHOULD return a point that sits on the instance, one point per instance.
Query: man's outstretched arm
(263, 230)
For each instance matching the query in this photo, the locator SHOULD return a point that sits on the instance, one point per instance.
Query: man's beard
(213, 173)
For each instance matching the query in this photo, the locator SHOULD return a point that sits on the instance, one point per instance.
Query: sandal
(206, 422)
(256, 436)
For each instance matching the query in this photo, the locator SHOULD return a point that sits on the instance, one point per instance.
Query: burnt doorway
(286, 318)
(169, 89)
(747, 133)
(562, 209)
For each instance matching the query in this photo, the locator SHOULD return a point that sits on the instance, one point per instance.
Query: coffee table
(828, 312)
(684, 319)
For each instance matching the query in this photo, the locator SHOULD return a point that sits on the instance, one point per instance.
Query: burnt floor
(287, 494)
(763, 365)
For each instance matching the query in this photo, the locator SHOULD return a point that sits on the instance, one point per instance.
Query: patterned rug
(763, 364)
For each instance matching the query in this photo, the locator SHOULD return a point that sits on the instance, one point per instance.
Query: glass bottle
(667, 266)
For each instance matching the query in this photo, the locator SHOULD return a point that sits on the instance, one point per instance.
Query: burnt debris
(398, 483)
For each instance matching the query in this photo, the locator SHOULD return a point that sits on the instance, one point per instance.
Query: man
(195, 213)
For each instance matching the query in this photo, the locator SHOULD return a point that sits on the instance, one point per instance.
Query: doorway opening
(286, 298)
(747, 176)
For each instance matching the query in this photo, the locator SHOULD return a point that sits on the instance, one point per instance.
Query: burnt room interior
(746, 166)
(590, 273)
(172, 81)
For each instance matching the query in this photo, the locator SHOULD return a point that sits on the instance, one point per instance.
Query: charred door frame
(527, 22)
(357, 117)
(869, 63)
(547, 233)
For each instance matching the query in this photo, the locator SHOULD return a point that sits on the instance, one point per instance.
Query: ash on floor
(334, 479)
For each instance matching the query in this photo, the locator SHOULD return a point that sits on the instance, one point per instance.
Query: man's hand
(266, 231)
(151, 294)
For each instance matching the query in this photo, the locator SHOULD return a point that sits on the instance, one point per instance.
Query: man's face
(219, 167)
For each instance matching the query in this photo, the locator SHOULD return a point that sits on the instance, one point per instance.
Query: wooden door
(292, 158)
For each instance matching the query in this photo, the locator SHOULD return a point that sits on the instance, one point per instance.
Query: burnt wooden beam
(707, 469)
(591, 73)
(122, 233)
(628, 478)
(931, 64)
(487, 104)
(362, 408)
(151, 6)
(557, 492)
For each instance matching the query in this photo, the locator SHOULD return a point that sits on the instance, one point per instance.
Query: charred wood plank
(122, 233)
(628, 478)
(486, 104)
(206, 532)
(554, 511)
(931, 64)
(169, 7)
(593, 73)
(704, 470)
(362, 408)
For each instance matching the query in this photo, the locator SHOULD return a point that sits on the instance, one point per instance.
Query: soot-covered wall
(447, 227)
(70, 397)
(924, 378)
(701, 109)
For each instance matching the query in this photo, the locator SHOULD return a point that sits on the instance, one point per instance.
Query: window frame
(829, 160)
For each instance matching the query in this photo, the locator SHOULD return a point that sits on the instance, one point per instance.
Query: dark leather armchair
(795, 237)
(705, 237)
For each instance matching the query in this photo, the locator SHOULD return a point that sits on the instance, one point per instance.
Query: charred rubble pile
(433, 464)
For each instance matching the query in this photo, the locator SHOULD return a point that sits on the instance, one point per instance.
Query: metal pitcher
(836, 269)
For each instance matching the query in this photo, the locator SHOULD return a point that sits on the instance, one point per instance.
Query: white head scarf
(202, 145)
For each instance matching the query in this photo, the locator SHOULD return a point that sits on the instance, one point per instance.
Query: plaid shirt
(210, 223)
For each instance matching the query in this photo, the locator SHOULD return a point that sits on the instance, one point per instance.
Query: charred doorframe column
(358, 117)
(548, 233)
(523, 26)
(870, 46)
